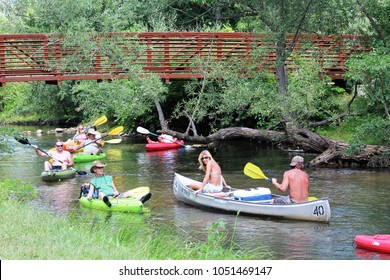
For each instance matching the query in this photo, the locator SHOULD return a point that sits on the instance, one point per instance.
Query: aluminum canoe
(315, 210)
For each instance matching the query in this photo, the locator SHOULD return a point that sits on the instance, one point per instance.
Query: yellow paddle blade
(311, 198)
(254, 171)
(100, 121)
(113, 141)
(116, 130)
(141, 191)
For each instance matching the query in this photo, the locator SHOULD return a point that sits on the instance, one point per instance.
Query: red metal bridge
(40, 57)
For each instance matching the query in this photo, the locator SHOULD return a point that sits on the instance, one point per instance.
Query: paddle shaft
(99, 121)
(116, 130)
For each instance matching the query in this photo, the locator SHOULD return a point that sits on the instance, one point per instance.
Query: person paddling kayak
(61, 159)
(106, 186)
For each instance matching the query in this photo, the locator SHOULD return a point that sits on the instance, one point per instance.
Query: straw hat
(96, 163)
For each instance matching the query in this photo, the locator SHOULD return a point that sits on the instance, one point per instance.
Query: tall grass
(28, 233)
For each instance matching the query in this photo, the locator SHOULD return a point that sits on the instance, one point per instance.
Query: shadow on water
(357, 197)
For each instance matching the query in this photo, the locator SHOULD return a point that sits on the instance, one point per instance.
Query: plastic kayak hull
(160, 146)
(80, 157)
(132, 205)
(71, 145)
(316, 210)
(58, 175)
(378, 242)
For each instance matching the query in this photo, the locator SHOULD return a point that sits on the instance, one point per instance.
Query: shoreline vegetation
(31, 233)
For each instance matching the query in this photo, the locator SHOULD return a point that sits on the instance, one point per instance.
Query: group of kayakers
(89, 139)
(295, 180)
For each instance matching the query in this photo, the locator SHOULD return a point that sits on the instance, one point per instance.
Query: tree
(295, 101)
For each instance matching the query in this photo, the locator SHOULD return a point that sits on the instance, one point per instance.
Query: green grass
(31, 233)
(343, 131)
(370, 130)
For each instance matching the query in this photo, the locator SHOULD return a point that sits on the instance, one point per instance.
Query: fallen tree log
(331, 153)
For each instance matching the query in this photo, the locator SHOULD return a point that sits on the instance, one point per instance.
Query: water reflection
(357, 197)
(364, 254)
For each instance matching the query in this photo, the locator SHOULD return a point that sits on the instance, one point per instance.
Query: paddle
(113, 131)
(99, 121)
(140, 191)
(255, 172)
(113, 141)
(24, 141)
(145, 131)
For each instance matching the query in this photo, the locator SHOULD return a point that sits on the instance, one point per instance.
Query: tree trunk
(163, 122)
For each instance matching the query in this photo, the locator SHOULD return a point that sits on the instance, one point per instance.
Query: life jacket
(84, 190)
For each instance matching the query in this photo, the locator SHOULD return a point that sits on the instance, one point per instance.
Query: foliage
(373, 71)
(217, 240)
(123, 101)
(12, 98)
(5, 140)
(375, 130)
(27, 233)
(226, 97)
(16, 190)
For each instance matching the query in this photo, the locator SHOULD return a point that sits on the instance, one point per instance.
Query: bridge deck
(41, 57)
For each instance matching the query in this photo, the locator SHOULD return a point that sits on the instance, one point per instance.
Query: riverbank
(30, 233)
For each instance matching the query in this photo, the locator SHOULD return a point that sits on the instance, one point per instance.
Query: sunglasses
(59, 146)
(99, 167)
(203, 158)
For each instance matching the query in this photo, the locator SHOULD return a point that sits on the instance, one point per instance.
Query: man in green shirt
(106, 187)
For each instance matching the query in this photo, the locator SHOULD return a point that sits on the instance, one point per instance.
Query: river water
(358, 197)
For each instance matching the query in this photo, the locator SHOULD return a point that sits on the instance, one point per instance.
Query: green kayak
(128, 204)
(80, 157)
(58, 175)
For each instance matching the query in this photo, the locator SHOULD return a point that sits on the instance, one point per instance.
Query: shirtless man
(296, 181)
(61, 159)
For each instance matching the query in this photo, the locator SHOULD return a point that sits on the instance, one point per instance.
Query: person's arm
(38, 152)
(206, 177)
(81, 144)
(70, 160)
(115, 189)
(224, 183)
(98, 142)
(284, 185)
(91, 189)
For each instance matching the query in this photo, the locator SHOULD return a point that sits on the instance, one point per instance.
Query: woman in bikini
(213, 182)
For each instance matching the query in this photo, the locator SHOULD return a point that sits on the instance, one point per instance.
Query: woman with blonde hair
(213, 182)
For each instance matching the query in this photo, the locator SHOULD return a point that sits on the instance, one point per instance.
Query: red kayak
(378, 242)
(160, 146)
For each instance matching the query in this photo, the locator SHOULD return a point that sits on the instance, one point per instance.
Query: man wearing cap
(91, 144)
(296, 181)
(105, 185)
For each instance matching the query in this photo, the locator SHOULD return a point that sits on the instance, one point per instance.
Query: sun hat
(92, 131)
(96, 163)
(296, 160)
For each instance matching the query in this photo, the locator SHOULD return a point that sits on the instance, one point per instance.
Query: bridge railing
(172, 55)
